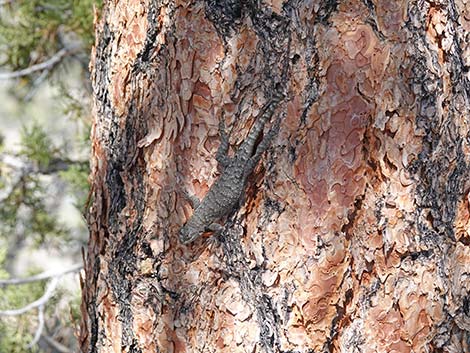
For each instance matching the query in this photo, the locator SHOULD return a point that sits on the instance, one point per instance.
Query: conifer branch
(45, 65)
(40, 276)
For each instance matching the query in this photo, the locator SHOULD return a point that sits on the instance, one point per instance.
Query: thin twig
(40, 328)
(41, 302)
(48, 64)
(37, 303)
(41, 276)
(36, 84)
(59, 347)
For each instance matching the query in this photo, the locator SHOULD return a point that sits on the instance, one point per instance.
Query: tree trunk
(353, 231)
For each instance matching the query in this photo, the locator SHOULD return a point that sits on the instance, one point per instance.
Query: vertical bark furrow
(90, 318)
(121, 274)
(226, 15)
(441, 169)
(252, 291)
(118, 186)
(155, 27)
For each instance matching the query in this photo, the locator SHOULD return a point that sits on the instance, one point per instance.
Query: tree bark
(353, 234)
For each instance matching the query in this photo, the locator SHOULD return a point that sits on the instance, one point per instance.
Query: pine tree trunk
(353, 232)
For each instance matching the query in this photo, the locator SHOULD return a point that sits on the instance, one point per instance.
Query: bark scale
(354, 232)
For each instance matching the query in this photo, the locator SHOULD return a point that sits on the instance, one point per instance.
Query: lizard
(227, 191)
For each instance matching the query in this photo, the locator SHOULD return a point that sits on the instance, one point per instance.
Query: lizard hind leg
(193, 199)
(216, 228)
(263, 145)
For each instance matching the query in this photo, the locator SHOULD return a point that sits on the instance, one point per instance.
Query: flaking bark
(353, 234)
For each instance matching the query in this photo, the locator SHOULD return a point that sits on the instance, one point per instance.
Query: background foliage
(46, 167)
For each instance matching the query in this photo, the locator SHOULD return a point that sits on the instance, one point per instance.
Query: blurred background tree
(45, 120)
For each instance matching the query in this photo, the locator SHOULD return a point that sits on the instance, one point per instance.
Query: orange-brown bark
(354, 232)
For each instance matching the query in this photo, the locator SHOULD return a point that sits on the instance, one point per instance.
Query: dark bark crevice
(252, 289)
(441, 169)
(96, 246)
(226, 16)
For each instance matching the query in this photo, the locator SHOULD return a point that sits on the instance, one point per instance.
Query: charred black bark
(442, 167)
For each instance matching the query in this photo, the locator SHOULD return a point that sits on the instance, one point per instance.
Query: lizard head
(187, 234)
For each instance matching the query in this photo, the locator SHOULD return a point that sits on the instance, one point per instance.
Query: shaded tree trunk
(353, 232)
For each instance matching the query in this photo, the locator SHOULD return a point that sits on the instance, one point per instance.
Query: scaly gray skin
(227, 191)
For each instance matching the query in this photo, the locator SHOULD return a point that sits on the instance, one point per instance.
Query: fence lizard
(227, 191)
